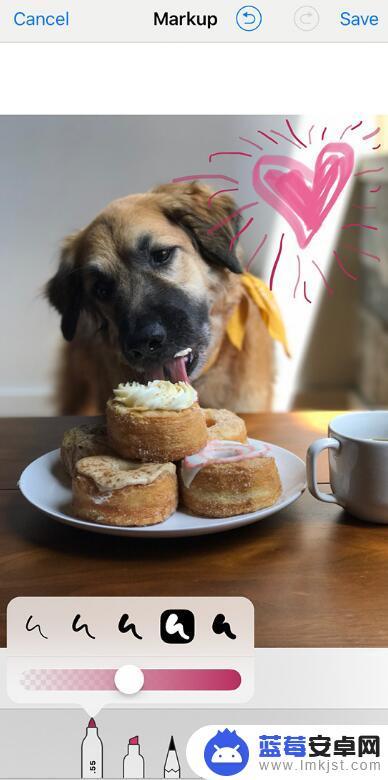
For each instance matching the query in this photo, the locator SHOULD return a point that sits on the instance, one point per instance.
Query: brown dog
(146, 281)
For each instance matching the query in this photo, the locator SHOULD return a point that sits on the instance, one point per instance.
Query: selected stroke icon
(177, 626)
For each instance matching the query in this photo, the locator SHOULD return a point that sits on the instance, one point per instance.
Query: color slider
(131, 679)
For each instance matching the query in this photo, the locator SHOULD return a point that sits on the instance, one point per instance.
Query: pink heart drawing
(302, 196)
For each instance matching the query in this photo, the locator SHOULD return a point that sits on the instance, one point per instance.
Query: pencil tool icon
(172, 766)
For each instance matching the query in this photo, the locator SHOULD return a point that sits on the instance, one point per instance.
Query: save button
(349, 19)
(25, 19)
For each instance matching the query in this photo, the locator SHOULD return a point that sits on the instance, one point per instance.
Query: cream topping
(159, 394)
(220, 451)
(109, 473)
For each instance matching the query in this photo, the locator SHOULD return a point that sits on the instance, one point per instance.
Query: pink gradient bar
(154, 680)
(191, 680)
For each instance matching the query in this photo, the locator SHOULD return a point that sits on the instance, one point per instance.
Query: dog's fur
(118, 289)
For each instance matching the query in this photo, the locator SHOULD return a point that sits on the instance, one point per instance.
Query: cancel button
(26, 19)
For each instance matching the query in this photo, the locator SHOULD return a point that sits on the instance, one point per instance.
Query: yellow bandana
(265, 301)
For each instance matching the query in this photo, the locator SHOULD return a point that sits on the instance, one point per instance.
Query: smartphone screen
(193, 389)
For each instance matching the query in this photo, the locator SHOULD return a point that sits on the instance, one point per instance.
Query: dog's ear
(64, 290)
(210, 222)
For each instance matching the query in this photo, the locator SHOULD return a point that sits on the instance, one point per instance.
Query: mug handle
(313, 452)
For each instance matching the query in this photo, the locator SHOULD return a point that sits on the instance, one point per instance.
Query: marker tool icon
(91, 752)
(133, 766)
(172, 767)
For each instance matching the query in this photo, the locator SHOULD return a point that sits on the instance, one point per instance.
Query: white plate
(45, 485)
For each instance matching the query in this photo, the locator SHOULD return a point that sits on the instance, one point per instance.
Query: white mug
(358, 464)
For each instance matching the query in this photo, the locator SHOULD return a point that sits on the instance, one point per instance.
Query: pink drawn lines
(304, 196)
(232, 216)
(290, 141)
(342, 267)
(252, 143)
(201, 176)
(371, 135)
(349, 127)
(240, 232)
(220, 192)
(369, 254)
(268, 137)
(220, 154)
(294, 135)
(305, 292)
(370, 170)
(276, 263)
(323, 277)
(360, 225)
(298, 277)
(256, 252)
(363, 252)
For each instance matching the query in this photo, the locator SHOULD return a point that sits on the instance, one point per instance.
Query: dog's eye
(102, 290)
(161, 256)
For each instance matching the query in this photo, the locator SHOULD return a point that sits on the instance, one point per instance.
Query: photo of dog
(146, 292)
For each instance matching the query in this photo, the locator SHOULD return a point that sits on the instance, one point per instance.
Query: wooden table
(316, 576)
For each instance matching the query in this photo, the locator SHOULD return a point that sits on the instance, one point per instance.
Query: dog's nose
(147, 341)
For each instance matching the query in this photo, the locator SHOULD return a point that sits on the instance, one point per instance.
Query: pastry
(113, 491)
(222, 424)
(82, 441)
(229, 478)
(157, 422)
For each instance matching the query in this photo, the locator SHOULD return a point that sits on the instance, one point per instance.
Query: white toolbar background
(120, 20)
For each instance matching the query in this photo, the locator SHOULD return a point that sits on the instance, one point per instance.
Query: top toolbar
(131, 21)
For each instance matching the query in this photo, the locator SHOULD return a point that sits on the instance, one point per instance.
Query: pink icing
(218, 451)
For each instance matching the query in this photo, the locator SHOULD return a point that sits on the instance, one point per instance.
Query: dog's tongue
(156, 373)
(177, 369)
